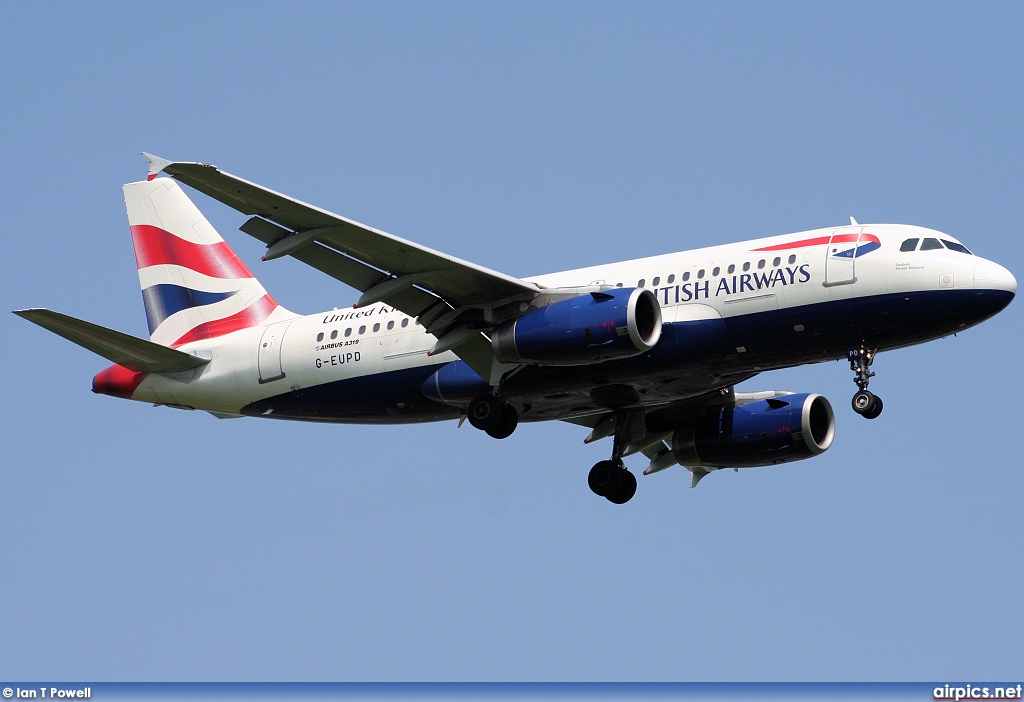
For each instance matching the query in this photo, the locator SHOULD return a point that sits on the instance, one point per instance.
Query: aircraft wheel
(509, 422)
(606, 478)
(875, 410)
(486, 412)
(864, 402)
(626, 491)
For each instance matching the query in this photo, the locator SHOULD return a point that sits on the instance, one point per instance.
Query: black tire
(626, 491)
(863, 402)
(875, 410)
(509, 422)
(486, 412)
(606, 478)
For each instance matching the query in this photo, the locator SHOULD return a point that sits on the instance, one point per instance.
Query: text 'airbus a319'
(646, 352)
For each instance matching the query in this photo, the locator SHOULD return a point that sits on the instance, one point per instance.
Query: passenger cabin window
(362, 330)
(376, 327)
(348, 332)
(953, 246)
(931, 244)
(686, 276)
(405, 322)
(640, 283)
(716, 271)
(671, 279)
(618, 285)
(391, 325)
(792, 259)
(334, 334)
(732, 268)
(320, 336)
(746, 266)
(760, 264)
(909, 245)
(776, 262)
(700, 274)
(656, 281)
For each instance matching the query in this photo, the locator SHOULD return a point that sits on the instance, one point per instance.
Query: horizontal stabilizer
(123, 349)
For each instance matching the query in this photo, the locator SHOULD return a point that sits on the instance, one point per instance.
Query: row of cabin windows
(656, 281)
(362, 329)
(931, 244)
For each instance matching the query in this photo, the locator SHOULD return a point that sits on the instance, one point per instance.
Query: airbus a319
(645, 352)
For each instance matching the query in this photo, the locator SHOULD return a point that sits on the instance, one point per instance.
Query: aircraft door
(841, 257)
(270, 352)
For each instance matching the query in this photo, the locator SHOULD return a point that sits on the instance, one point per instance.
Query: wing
(123, 349)
(451, 298)
(653, 436)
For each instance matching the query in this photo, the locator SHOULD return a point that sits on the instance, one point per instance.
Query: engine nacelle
(761, 433)
(598, 326)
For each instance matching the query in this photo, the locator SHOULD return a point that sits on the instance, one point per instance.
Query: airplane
(647, 352)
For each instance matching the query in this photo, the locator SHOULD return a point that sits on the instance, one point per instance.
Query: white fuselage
(290, 353)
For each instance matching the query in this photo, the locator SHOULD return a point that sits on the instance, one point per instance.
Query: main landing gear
(864, 403)
(610, 479)
(490, 413)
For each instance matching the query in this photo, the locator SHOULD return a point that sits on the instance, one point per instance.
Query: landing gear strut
(864, 403)
(490, 413)
(610, 479)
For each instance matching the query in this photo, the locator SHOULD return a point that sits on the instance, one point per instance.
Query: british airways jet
(646, 352)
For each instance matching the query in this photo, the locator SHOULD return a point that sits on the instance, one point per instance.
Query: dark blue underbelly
(691, 359)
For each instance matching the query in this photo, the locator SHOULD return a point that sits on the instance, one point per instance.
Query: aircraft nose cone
(989, 275)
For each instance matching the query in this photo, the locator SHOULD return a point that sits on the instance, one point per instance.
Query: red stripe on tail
(251, 316)
(155, 246)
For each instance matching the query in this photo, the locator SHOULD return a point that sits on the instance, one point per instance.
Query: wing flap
(360, 276)
(465, 283)
(365, 258)
(123, 349)
(475, 351)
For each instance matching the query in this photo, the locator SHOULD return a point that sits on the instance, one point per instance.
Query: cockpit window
(953, 246)
(909, 245)
(931, 244)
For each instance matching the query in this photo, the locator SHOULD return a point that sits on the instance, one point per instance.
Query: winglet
(156, 164)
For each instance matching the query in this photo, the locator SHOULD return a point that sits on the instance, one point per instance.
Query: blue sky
(144, 543)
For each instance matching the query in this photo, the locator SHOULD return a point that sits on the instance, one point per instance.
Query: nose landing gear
(867, 404)
(864, 403)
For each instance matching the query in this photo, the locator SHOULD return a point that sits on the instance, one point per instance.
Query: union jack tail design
(193, 285)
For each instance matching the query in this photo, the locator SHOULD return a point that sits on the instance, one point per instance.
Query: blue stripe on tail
(165, 299)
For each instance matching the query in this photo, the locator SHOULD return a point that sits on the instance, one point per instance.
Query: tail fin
(193, 285)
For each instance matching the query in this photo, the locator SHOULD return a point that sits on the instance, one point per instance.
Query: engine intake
(591, 328)
(760, 433)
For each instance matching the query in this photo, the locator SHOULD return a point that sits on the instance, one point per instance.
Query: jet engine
(760, 433)
(598, 326)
